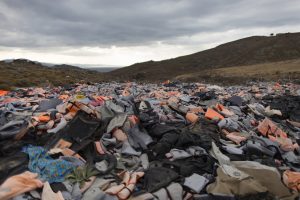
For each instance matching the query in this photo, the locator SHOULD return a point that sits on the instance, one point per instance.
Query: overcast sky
(123, 32)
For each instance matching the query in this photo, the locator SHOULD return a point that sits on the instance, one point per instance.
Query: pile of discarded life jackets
(167, 141)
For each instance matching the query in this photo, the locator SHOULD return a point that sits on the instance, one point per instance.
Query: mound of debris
(150, 141)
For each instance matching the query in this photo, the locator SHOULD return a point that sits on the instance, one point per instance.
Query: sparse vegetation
(285, 71)
(244, 53)
(21, 73)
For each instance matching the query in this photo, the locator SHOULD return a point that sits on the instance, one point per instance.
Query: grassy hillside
(24, 73)
(252, 58)
(244, 52)
(283, 70)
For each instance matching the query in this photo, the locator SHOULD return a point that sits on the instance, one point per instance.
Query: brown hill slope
(288, 70)
(24, 73)
(243, 52)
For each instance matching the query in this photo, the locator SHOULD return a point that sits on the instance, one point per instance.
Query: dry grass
(246, 52)
(25, 74)
(284, 70)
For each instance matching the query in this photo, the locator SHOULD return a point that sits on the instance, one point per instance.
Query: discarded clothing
(49, 169)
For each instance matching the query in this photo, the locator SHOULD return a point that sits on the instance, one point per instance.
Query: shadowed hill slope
(24, 73)
(244, 52)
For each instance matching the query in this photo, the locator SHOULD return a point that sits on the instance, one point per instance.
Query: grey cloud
(103, 23)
